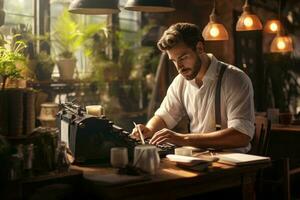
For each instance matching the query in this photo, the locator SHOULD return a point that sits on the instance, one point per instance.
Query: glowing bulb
(248, 22)
(273, 27)
(214, 32)
(281, 45)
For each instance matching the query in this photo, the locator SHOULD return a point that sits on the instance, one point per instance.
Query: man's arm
(155, 124)
(223, 139)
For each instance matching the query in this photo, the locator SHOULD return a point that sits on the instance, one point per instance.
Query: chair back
(260, 141)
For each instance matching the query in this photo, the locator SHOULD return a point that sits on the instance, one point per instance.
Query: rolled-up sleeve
(240, 104)
(171, 109)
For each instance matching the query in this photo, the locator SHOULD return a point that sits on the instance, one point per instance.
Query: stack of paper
(241, 159)
(189, 162)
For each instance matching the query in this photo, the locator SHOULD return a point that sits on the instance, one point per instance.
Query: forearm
(223, 139)
(155, 124)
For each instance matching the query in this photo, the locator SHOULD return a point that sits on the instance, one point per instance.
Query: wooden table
(172, 182)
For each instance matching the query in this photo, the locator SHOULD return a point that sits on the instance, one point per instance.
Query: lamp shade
(150, 5)
(94, 7)
(248, 21)
(272, 26)
(282, 44)
(214, 31)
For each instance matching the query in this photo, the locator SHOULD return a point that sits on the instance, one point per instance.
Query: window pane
(17, 19)
(129, 25)
(19, 6)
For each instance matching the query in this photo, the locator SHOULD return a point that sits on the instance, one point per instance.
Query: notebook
(241, 159)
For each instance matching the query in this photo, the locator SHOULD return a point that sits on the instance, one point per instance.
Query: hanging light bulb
(272, 26)
(248, 21)
(214, 31)
(282, 44)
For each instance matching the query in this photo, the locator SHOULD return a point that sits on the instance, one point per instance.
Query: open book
(241, 158)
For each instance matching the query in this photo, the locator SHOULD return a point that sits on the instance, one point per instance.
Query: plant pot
(17, 113)
(44, 71)
(3, 112)
(66, 68)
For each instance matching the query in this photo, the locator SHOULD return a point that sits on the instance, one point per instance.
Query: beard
(191, 72)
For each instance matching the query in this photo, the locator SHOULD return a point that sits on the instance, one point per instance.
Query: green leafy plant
(23, 32)
(66, 35)
(9, 57)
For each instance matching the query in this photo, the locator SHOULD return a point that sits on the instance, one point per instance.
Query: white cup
(96, 110)
(146, 158)
(118, 157)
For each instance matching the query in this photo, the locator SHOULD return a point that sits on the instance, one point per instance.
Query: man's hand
(166, 135)
(145, 131)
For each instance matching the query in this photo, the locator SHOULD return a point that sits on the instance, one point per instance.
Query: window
(18, 12)
(57, 7)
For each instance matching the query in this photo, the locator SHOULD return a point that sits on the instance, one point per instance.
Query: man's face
(186, 60)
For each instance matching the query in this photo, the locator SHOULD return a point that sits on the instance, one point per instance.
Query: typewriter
(90, 138)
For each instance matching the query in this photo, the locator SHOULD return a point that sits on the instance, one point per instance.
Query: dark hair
(188, 33)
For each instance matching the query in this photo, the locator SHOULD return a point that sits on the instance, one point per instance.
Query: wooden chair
(278, 176)
(260, 141)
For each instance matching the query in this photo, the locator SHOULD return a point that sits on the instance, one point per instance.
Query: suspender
(218, 97)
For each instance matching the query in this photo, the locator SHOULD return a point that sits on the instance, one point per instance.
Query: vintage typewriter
(90, 138)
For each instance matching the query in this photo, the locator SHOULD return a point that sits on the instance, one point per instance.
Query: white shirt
(186, 98)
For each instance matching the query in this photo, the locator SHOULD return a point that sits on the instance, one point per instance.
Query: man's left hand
(166, 135)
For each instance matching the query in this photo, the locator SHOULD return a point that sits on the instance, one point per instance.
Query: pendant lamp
(150, 5)
(248, 21)
(282, 43)
(94, 7)
(214, 31)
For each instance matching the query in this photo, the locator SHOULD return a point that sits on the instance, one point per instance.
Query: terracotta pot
(66, 68)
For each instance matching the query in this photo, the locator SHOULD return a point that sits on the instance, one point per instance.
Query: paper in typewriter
(64, 128)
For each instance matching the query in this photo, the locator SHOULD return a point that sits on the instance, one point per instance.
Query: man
(192, 93)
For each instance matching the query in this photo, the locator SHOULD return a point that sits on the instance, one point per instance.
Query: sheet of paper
(64, 128)
(241, 158)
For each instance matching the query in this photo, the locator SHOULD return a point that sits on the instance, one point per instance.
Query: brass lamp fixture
(248, 21)
(150, 5)
(214, 31)
(94, 7)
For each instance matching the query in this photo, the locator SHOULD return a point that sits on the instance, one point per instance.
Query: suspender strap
(218, 97)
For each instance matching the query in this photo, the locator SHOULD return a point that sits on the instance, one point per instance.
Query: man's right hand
(147, 133)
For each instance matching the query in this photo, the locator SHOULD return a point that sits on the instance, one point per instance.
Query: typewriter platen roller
(90, 138)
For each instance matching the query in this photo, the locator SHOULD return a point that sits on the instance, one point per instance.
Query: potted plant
(23, 32)
(9, 69)
(9, 58)
(44, 67)
(66, 42)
